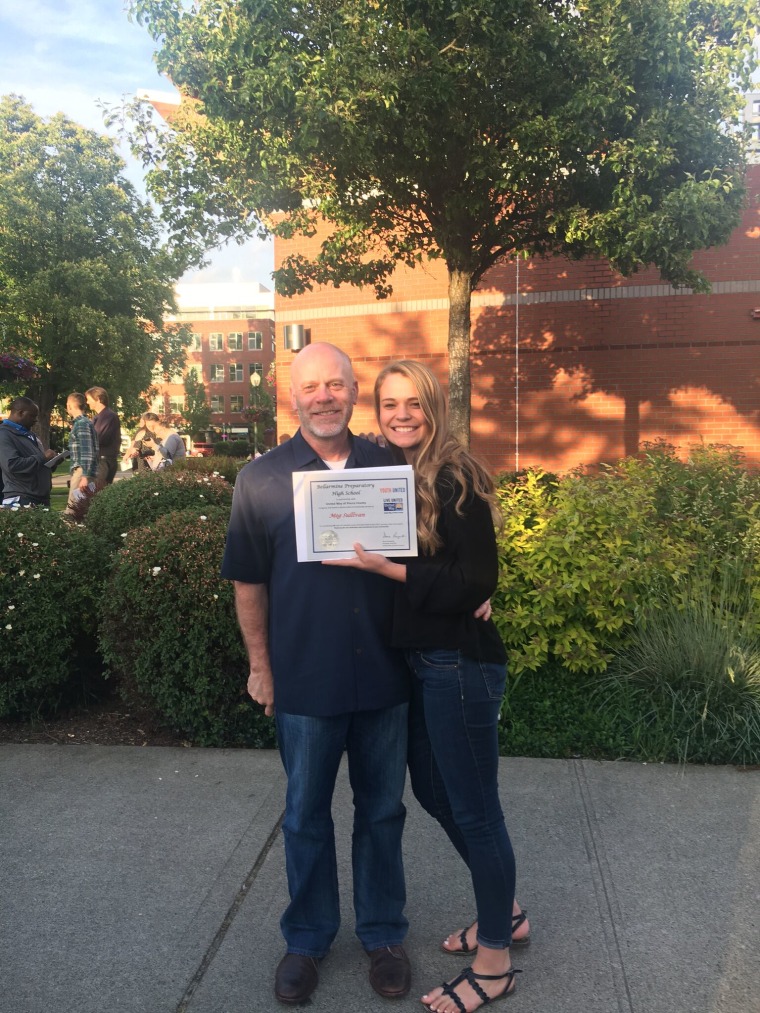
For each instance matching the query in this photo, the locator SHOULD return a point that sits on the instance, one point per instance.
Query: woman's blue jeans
(454, 763)
(311, 748)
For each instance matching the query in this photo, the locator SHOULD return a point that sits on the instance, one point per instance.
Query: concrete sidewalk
(150, 880)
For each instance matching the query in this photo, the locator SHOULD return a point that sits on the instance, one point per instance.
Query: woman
(458, 666)
(138, 452)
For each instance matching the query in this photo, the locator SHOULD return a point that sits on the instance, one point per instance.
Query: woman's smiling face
(401, 419)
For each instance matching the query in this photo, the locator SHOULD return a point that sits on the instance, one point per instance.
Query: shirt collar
(304, 454)
(19, 429)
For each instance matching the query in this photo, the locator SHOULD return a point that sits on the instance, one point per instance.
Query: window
(236, 402)
(255, 367)
(217, 373)
(756, 107)
(217, 403)
(176, 405)
(235, 341)
(195, 343)
(274, 346)
(236, 372)
(215, 342)
(254, 341)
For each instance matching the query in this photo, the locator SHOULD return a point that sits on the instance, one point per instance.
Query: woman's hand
(371, 562)
(483, 611)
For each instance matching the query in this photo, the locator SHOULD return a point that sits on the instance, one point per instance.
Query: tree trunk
(44, 398)
(460, 295)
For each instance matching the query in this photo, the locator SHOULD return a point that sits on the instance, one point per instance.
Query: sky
(68, 55)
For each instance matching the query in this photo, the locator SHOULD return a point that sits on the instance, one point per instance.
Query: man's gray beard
(335, 428)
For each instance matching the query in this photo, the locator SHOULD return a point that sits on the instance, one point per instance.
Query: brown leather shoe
(390, 973)
(296, 978)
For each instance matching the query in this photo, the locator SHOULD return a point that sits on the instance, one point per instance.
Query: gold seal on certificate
(372, 506)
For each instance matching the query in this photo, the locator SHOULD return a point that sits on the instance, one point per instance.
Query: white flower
(11, 608)
(215, 597)
(155, 494)
(36, 576)
(21, 573)
(35, 544)
(201, 495)
(8, 626)
(156, 570)
(204, 517)
(19, 534)
(123, 534)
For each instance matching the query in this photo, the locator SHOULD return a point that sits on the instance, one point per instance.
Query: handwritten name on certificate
(372, 506)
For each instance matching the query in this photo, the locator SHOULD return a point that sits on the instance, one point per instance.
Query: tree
(85, 281)
(197, 409)
(468, 131)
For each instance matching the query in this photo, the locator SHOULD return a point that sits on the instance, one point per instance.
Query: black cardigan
(434, 608)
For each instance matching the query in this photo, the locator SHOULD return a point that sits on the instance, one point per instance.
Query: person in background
(26, 481)
(85, 455)
(167, 444)
(458, 668)
(137, 452)
(108, 428)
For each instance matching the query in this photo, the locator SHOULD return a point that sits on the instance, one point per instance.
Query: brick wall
(584, 368)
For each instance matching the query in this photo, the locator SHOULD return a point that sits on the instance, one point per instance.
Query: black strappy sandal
(517, 921)
(471, 978)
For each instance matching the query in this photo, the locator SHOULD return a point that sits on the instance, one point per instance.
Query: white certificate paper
(372, 506)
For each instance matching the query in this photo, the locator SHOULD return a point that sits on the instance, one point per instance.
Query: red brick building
(233, 339)
(571, 363)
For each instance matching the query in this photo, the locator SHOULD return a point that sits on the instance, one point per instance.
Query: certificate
(372, 506)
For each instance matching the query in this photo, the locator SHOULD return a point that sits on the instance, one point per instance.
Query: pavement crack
(237, 903)
(604, 889)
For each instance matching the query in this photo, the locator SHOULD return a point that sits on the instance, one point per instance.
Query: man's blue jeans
(311, 748)
(454, 766)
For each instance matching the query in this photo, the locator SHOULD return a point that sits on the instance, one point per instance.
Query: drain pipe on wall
(517, 364)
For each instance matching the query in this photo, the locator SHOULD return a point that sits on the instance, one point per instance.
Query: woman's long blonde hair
(440, 449)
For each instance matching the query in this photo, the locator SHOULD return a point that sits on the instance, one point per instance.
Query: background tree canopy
(468, 131)
(85, 280)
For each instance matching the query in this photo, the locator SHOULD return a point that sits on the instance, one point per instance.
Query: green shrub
(578, 559)
(225, 467)
(134, 502)
(710, 497)
(232, 448)
(689, 680)
(50, 582)
(555, 713)
(168, 631)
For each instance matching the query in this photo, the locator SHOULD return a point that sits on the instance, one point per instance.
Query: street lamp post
(255, 383)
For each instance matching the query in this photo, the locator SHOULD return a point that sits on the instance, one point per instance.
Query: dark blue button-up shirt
(329, 627)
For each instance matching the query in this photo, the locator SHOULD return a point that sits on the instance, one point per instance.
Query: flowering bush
(50, 580)
(137, 501)
(224, 467)
(14, 369)
(168, 631)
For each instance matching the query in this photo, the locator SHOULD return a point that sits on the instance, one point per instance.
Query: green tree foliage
(470, 132)
(84, 280)
(197, 411)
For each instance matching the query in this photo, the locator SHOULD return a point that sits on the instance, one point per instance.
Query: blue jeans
(454, 763)
(311, 749)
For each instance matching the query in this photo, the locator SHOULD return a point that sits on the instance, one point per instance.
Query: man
(26, 481)
(108, 429)
(85, 455)
(317, 639)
